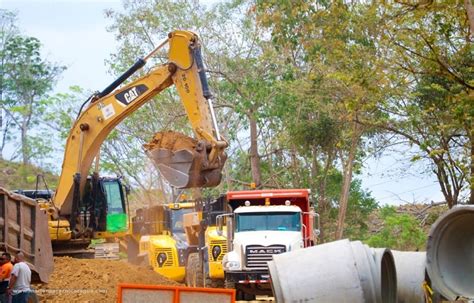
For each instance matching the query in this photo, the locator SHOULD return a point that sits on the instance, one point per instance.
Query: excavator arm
(104, 112)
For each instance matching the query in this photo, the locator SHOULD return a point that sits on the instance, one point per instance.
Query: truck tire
(229, 285)
(248, 297)
(214, 283)
(239, 294)
(194, 277)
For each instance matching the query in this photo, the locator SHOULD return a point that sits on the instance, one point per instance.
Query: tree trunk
(470, 15)
(323, 203)
(294, 164)
(254, 156)
(2, 144)
(346, 183)
(471, 177)
(24, 144)
(444, 183)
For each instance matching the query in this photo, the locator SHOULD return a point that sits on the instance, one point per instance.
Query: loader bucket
(24, 228)
(183, 161)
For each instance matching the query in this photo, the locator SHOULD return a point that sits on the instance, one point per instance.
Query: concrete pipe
(449, 254)
(340, 271)
(410, 266)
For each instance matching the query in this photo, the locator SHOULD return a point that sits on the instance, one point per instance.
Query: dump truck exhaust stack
(185, 162)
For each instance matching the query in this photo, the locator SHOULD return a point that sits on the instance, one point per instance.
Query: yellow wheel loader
(157, 239)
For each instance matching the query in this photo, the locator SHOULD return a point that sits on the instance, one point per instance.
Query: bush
(400, 231)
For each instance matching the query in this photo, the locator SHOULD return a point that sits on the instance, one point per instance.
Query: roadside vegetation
(305, 92)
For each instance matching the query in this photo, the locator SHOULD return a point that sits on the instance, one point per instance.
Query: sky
(73, 33)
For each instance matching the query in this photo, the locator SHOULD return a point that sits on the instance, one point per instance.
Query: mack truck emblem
(272, 251)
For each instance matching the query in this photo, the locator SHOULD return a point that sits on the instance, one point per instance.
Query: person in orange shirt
(5, 272)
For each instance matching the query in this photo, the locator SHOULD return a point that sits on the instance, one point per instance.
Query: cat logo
(131, 94)
(128, 96)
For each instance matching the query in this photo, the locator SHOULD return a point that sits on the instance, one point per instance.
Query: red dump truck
(264, 223)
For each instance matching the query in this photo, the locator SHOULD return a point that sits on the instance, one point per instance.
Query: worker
(20, 280)
(5, 271)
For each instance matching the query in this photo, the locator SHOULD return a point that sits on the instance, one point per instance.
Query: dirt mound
(171, 140)
(89, 280)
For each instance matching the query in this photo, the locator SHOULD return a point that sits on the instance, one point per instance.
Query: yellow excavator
(90, 207)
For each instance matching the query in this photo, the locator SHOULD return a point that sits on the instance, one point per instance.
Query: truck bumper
(248, 277)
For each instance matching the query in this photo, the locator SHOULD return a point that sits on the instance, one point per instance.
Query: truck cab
(264, 223)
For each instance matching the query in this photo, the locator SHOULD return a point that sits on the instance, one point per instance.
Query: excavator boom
(197, 164)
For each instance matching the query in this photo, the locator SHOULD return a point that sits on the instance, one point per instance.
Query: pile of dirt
(93, 280)
(171, 140)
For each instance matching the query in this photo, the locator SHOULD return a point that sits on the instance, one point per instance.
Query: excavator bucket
(183, 161)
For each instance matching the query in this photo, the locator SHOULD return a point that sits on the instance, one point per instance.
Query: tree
(429, 53)
(334, 47)
(240, 73)
(27, 80)
(8, 29)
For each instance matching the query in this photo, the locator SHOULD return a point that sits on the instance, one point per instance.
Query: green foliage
(25, 80)
(16, 176)
(400, 231)
(360, 205)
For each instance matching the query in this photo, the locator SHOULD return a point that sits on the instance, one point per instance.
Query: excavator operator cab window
(116, 219)
(114, 196)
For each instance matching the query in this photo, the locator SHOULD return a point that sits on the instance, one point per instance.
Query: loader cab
(174, 215)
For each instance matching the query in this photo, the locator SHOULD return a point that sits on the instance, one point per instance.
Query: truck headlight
(232, 265)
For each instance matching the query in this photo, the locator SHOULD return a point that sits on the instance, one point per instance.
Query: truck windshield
(177, 219)
(289, 221)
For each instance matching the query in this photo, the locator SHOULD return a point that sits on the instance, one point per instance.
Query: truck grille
(257, 256)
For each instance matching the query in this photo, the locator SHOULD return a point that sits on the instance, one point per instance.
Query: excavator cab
(104, 206)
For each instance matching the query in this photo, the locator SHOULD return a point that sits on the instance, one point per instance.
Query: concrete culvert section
(334, 272)
(410, 268)
(450, 261)
(388, 282)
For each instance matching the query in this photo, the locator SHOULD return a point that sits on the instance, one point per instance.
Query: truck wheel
(214, 283)
(239, 294)
(229, 285)
(194, 277)
(248, 297)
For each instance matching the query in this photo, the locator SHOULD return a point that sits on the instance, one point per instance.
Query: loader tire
(214, 283)
(194, 276)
